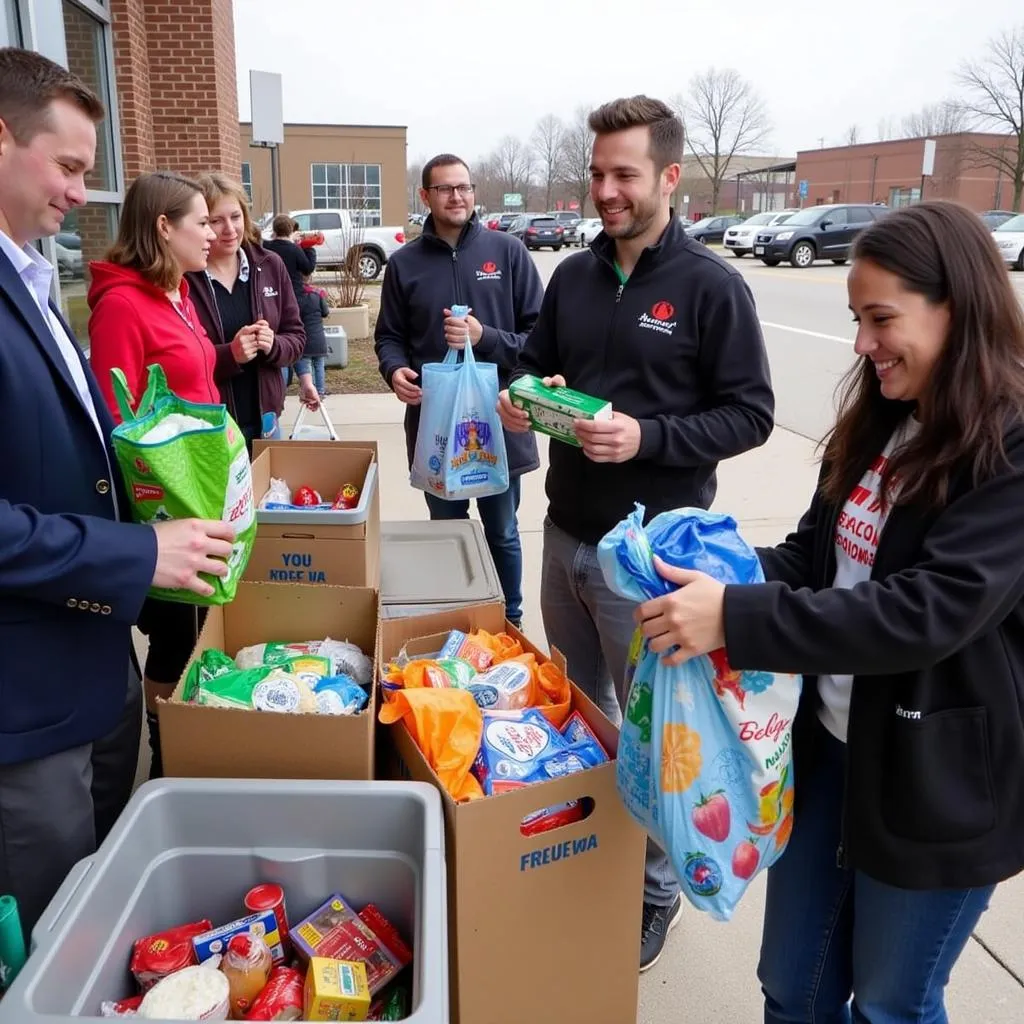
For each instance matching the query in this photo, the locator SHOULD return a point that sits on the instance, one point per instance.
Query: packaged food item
(392, 1004)
(520, 748)
(339, 695)
(505, 687)
(262, 924)
(156, 956)
(285, 693)
(305, 497)
(446, 725)
(552, 817)
(345, 658)
(122, 1008)
(281, 998)
(210, 664)
(194, 993)
(335, 990)
(553, 410)
(387, 933)
(227, 689)
(576, 731)
(347, 497)
(336, 932)
(309, 666)
(246, 964)
(269, 896)
(434, 673)
(459, 645)
(278, 494)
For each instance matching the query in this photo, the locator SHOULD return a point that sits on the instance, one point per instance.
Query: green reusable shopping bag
(200, 472)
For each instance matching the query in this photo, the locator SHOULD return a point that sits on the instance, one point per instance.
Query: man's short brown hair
(29, 83)
(441, 160)
(641, 111)
(139, 244)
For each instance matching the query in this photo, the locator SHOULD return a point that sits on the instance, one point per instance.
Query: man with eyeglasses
(457, 260)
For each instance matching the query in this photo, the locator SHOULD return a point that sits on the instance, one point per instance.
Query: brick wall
(175, 68)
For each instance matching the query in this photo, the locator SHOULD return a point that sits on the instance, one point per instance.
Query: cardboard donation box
(543, 926)
(333, 547)
(221, 742)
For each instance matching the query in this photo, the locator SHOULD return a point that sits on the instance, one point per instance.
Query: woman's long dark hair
(944, 252)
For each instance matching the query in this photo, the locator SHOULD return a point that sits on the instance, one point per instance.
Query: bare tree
(724, 117)
(886, 129)
(945, 118)
(852, 136)
(995, 96)
(413, 181)
(577, 149)
(513, 165)
(547, 147)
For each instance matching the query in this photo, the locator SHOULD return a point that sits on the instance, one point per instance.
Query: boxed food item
(503, 856)
(206, 739)
(264, 925)
(336, 990)
(336, 932)
(552, 410)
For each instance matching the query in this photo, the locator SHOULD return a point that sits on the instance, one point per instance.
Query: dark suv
(538, 230)
(815, 233)
(570, 221)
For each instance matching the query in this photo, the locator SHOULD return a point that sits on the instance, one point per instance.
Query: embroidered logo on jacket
(269, 291)
(659, 319)
(488, 272)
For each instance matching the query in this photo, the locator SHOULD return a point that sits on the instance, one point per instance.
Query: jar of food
(246, 964)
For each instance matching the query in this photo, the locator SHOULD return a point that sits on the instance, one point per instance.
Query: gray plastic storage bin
(185, 849)
(434, 567)
(335, 517)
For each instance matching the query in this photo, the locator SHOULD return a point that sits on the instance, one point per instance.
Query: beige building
(325, 165)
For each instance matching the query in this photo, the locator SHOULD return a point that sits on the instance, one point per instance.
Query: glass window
(247, 179)
(354, 187)
(85, 236)
(304, 221)
(860, 215)
(10, 29)
(835, 218)
(87, 57)
(325, 221)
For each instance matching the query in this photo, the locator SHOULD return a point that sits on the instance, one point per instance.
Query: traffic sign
(513, 199)
(804, 188)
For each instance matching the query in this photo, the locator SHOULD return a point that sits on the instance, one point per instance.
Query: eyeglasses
(448, 190)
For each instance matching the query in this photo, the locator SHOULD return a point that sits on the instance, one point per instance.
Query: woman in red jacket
(142, 314)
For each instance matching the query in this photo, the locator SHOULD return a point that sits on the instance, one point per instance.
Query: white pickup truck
(378, 244)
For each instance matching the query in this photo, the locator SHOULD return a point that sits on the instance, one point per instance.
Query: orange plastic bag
(501, 645)
(448, 727)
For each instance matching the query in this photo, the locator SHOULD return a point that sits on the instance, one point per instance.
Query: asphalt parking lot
(808, 330)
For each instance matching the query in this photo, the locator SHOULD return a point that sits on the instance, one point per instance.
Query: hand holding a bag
(691, 619)
(187, 547)
(457, 327)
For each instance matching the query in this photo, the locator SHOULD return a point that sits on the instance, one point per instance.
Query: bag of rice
(182, 460)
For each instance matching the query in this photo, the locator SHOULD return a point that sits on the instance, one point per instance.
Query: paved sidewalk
(707, 974)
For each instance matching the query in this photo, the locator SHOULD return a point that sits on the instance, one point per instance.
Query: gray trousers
(593, 628)
(56, 810)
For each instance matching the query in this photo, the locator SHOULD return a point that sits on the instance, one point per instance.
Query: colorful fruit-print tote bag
(704, 761)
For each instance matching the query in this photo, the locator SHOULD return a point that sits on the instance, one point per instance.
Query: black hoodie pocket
(938, 778)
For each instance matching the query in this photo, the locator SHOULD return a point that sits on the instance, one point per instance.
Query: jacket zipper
(455, 274)
(220, 325)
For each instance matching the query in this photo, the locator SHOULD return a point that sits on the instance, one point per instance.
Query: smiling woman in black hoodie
(900, 597)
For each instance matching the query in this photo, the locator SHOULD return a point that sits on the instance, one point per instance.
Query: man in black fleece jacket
(659, 326)
(458, 261)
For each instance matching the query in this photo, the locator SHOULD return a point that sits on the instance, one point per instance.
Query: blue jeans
(593, 627)
(501, 528)
(314, 365)
(832, 933)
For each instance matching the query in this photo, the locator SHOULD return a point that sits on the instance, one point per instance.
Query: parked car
(739, 239)
(538, 230)
(570, 221)
(996, 218)
(378, 244)
(588, 229)
(69, 255)
(712, 229)
(815, 233)
(1009, 237)
(501, 221)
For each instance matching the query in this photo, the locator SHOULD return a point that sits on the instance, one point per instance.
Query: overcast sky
(460, 74)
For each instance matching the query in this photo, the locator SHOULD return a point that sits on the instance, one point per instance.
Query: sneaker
(657, 923)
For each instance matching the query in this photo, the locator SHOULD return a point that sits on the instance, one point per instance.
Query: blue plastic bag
(460, 446)
(704, 761)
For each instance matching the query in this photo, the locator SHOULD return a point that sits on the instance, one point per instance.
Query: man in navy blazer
(73, 570)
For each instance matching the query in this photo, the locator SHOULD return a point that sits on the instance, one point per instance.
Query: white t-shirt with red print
(858, 528)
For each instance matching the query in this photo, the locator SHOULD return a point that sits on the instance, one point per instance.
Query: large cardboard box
(205, 742)
(335, 549)
(545, 928)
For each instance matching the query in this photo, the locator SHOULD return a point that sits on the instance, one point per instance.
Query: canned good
(271, 897)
